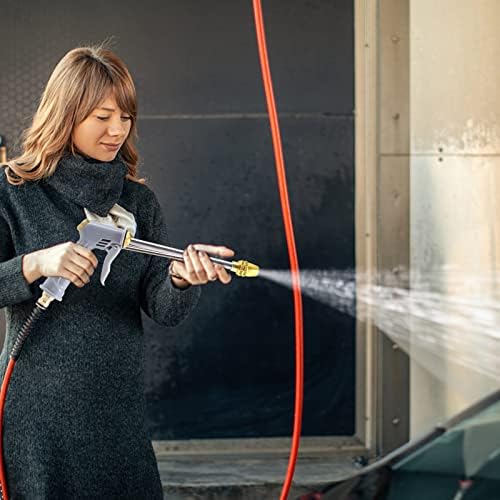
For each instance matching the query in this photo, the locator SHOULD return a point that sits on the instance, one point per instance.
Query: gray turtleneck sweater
(74, 422)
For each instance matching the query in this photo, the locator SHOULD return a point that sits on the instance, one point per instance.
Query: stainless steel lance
(241, 268)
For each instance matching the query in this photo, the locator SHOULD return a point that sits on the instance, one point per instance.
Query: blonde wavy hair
(82, 79)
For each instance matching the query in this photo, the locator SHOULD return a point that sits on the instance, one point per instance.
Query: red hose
(294, 266)
(3, 395)
(290, 240)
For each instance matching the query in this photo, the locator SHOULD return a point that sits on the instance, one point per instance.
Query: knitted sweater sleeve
(160, 299)
(13, 285)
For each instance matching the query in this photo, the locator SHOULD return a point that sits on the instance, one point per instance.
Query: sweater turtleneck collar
(93, 184)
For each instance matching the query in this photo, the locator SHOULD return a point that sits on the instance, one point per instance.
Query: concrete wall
(427, 143)
(455, 143)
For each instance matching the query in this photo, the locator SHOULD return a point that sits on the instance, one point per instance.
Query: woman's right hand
(66, 260)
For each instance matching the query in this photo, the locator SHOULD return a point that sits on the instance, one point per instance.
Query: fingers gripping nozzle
(241, 268)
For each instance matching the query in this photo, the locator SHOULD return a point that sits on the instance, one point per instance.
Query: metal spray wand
(112, 239)
(241, 268)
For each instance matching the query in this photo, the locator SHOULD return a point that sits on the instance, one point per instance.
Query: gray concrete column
(455, 181)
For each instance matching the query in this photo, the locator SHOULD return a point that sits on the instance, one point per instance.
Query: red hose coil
(290, 240)
(3, 396)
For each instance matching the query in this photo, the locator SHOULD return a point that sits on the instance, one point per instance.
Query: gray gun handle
(55, 286)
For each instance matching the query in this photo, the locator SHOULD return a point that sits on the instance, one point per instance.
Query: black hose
(32, 319)
(23, 334)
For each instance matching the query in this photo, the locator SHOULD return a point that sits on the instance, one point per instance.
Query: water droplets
(445, 312)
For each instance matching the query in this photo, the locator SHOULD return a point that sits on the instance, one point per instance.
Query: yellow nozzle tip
(245, 269)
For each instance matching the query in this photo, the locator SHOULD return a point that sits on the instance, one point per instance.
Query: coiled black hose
(23, 334)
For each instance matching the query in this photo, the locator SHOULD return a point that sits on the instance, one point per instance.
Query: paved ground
(249, 475)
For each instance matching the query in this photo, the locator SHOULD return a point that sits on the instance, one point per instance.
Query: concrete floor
(250, 475)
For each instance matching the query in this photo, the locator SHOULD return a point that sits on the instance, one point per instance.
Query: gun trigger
(112, 252)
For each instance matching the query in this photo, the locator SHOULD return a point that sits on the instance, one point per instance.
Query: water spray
(440, 316)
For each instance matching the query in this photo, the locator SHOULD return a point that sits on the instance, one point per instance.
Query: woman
(74, 423)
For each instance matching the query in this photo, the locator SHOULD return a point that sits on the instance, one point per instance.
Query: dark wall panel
(186, 56)
(232, 361)
(206, 149)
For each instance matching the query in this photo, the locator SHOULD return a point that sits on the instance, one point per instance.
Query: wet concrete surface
(249, 476)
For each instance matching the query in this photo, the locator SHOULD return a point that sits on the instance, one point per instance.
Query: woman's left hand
(197, 268)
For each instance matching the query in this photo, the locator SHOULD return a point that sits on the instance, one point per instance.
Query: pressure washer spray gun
(95, 236)
(112, 239)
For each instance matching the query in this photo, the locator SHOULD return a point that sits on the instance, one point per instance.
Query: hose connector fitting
(44, 301)
(244, 269)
